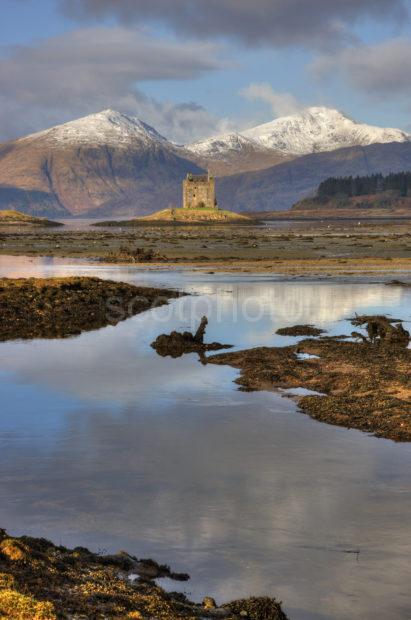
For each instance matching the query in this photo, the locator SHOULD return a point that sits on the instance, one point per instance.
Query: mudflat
(309, 249)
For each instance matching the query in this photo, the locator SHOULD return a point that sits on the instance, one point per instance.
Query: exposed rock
(134, 255)
(261, 608)
(399, 283)
(382, 331)
(62, 307)
(53, 582)
(364, 385)
(177, 344)
(300, 330)
(209, 603)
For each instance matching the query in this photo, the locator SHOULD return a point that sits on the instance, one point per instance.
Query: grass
(10, 217)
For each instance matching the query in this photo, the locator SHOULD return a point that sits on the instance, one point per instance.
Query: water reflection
(104, 443)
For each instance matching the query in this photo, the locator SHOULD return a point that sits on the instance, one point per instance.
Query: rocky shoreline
(363, 384)
(43, 581)
(63, 307)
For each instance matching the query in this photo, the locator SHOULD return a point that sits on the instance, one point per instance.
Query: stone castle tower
(199, 192)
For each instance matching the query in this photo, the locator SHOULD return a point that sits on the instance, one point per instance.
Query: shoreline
(309, 268)
(41, 580)
(357, 380)
(62, 307)
(302, 268)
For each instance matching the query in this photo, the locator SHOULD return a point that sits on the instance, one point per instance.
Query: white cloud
(281, 104)
(87, 70)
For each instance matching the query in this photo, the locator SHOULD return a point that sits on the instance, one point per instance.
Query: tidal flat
(107, 445)
(293, 248)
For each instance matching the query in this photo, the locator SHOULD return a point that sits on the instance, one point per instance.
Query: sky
(197, 68)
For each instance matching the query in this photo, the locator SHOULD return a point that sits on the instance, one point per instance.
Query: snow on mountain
(316, 129)
(103, 164)
(320, 129)
(220, 146)
(233, 153)
(108, 128)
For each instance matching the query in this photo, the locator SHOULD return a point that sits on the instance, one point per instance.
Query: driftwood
(177, 344)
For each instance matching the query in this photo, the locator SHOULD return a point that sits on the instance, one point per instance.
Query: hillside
(15, 218)
(371, 196)
(280, 187)
(104, 164)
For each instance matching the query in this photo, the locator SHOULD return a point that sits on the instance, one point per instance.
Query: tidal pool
(107, 445)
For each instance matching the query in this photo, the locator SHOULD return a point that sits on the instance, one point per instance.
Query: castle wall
(198, 192)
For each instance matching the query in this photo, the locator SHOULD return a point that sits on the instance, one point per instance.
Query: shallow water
(107, 445)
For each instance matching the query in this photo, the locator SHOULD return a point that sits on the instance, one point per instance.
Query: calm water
(105, 444)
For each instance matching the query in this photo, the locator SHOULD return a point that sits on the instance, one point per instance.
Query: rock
(300, 330)
(257, 608)
(209, 603)
(177, 344)
(382, 331)
(14, 550)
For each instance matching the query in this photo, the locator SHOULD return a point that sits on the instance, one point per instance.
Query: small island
(10, 217)
(199, 207)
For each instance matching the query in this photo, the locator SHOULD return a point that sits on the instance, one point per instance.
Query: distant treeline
(361, 186)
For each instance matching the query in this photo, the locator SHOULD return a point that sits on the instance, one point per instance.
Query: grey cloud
(94, 68)
(309, 23)
(379, 71)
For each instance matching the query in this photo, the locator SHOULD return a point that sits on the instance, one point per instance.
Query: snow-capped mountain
(314, 130)
(223, 144)
(108, 127)
(106, 163)
(113, 164)
(233, 152)
(319, 129)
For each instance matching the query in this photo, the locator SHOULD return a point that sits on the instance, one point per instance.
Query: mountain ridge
(110, 163)
(319, 129)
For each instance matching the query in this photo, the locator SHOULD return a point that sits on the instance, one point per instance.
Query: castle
(199, 192)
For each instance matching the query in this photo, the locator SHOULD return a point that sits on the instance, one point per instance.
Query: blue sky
(187, 71)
